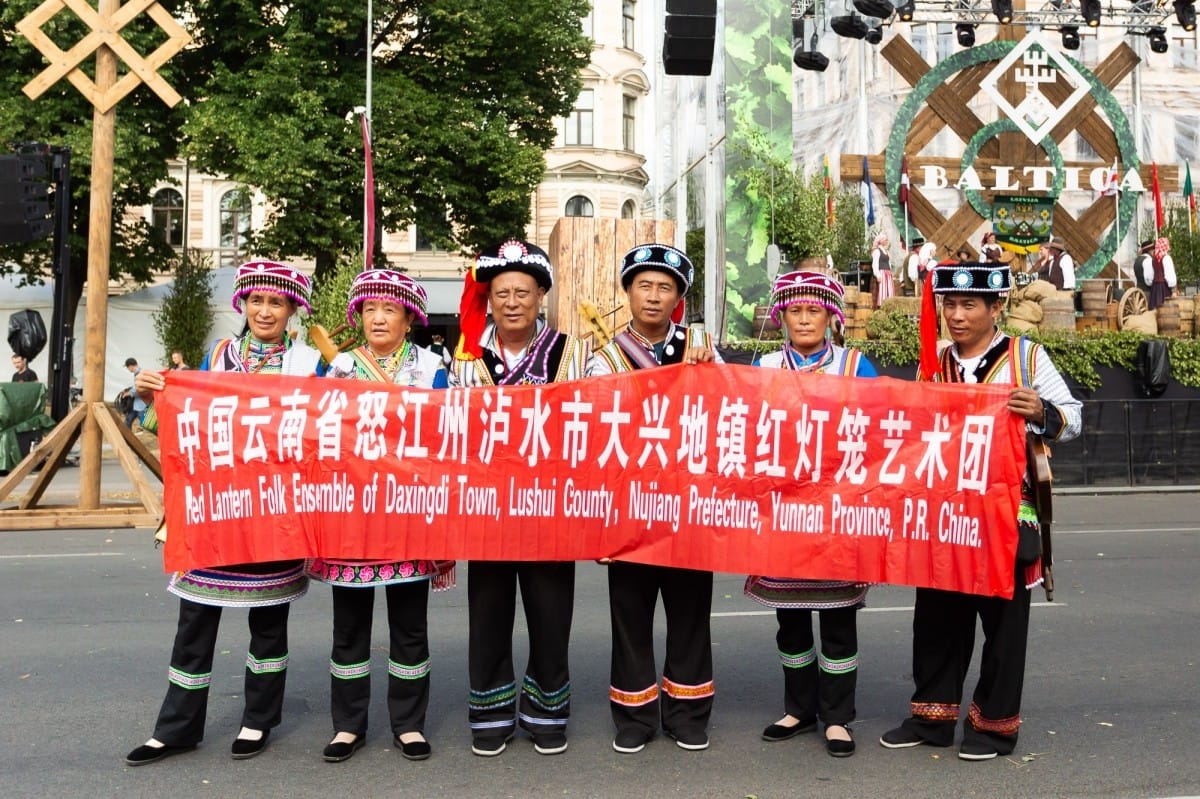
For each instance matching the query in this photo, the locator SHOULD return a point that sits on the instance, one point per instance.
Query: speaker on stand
(690, 37)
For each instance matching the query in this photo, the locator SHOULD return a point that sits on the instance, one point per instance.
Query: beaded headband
(988, 278)
(274, 277)
(807, 288)
(389, 285)
(515, 256)
(659, 258)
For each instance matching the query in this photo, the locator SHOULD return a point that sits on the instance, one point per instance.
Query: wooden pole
(104, 125)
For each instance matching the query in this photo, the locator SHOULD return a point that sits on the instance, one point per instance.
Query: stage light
(875, 8)
(906, 9)
(851, 26)
(965, 35)
(810, 59)
(1091, 12)
(1070, 37)
(1185, 12)
(874, 35)
(1158, 39)
(1003, 9)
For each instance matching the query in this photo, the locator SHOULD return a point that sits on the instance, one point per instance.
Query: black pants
(943, 641)
(408, 657)
(548, 595)
(819, 684)
(181, 718)
(633, 590)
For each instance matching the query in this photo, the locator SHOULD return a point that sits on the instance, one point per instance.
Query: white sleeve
(1168, 271)
(875, 263)
(1147, 269)
(1067, 264)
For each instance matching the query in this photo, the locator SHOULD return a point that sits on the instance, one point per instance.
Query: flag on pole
(1158, 202)
(1112, 183)
(1190, 194)
(868, 194)
(828, 195)
(368, 198)
(927, 365)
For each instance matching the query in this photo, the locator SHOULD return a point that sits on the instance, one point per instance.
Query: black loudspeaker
(691, 34)
(24, 198)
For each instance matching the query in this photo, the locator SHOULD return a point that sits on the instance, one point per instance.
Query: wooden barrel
(1187, 317)
(763, 326)
(853, 296)
(1058, 312)
(1114, 315)
(1167, 317)
(1096, 296)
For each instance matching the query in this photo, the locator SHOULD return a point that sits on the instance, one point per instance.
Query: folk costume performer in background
(656, 278)
(516, 347)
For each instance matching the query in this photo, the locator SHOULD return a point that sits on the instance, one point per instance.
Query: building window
(579, 206)
(627, 24)
(628, 209)
(578, 129)
(166, 216)
(586, 24)
(423, 242)
(629, 122)
(235, 225)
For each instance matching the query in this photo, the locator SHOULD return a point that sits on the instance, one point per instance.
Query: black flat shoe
(413, 750)
(151, 754)
(838, 748)
(244, 749)
(780, 732)
(338, 751)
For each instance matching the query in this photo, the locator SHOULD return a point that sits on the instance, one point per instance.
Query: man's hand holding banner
(714, 467)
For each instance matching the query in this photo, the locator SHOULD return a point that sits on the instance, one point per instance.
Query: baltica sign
(1029, 178)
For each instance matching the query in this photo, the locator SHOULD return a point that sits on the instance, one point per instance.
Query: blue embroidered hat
(968, 278)
(660, 258)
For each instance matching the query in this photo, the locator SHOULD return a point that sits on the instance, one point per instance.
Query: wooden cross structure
(948, 106)
(92, 419)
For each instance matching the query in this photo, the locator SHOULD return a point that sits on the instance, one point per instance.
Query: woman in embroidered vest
(516, 348)
(272, 294)
(818, 684)
(944, 622)
(388, 303)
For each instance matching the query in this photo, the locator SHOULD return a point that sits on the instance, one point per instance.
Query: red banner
(716, 467)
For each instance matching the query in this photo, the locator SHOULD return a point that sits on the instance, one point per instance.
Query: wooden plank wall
(586, 253)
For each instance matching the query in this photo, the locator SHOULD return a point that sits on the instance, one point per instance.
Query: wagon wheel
(1133, 302)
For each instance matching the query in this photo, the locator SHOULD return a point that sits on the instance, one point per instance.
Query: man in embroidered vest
(516, 348)
(656, 277)
(944, 621)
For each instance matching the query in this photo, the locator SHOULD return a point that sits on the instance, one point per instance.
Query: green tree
(330, 298)
(185, 318)
(1185, 245)
(464, 97)
(146, 137)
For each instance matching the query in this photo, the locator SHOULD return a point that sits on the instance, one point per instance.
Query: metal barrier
(1131, 442)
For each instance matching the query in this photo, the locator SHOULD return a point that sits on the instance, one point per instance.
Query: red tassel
(472, 319)
(677, 313)
(928, 365)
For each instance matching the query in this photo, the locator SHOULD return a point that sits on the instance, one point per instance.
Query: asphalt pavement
(1111, 705)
